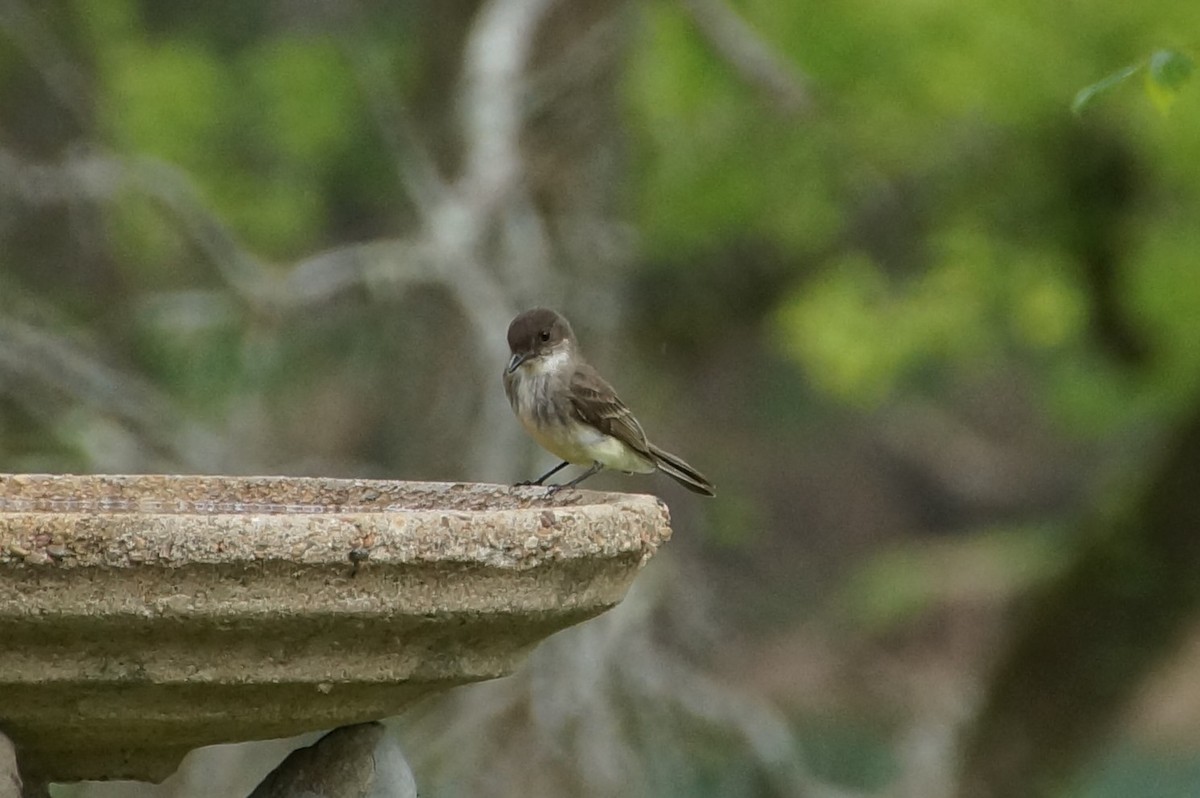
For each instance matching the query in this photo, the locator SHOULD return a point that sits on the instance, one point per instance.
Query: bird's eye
(544, 335)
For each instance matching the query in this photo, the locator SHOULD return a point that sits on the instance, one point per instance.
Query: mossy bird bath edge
(143, 616)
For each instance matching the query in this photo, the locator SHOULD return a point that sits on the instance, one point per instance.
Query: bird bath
(143, 616)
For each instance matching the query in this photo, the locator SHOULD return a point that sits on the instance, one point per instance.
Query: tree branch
(43, 50)
(735, 41)
(39, 367)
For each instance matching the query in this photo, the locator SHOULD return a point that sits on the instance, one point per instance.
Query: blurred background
(935, 338)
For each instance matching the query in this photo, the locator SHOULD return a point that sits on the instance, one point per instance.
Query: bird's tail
(681, 472)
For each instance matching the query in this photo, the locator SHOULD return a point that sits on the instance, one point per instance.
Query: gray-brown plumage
(569, 409)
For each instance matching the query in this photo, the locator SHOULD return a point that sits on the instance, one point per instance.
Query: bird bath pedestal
(143, 616)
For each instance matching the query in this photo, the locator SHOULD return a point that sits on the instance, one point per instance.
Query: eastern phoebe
(572, 412)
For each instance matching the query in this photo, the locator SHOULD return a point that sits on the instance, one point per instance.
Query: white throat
(551, 363)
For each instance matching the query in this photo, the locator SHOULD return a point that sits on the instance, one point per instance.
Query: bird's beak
(515, 361)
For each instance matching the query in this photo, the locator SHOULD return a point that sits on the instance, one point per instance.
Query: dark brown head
(538, 333)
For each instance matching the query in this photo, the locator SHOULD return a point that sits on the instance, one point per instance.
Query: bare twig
(494, 89)
(415, 166)
(736, 42)
(37, 366)
(98, 176)
(588, 57)
(47, 55)
(455, 248)
(583, 697)
(244, 272)
(985, 470)
(482, 237)
(490, 194)
(386, 267)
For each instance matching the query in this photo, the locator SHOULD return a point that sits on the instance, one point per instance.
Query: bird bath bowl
(143, 616)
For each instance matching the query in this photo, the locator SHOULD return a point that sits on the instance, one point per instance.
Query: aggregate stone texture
(143, 616)
(361, 761)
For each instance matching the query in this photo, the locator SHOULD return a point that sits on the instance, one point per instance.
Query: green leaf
(1169, 71)
(1171, 68)
(1088, 94)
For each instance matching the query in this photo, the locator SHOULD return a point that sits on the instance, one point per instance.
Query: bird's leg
(545, 476)
(595, 469)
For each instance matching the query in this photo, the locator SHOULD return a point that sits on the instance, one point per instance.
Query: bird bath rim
(152, 614)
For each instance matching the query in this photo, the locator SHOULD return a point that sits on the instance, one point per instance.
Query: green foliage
(718, 168)
(899, 585)
(860, 332)
(940, 212)
(169, 100)
(943, 190)
(307, 96)
(261, 132)
(191, 342)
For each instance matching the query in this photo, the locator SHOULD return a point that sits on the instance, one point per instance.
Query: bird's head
(537, 335)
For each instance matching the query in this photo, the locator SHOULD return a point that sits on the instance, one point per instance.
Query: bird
(573, 413)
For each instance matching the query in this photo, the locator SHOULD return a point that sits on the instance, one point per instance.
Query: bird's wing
(597, 404)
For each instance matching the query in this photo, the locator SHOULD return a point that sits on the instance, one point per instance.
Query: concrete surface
(361, 761)
(144, 616)
(10, 779)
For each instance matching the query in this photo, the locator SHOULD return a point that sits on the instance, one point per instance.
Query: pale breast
(556, 430)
